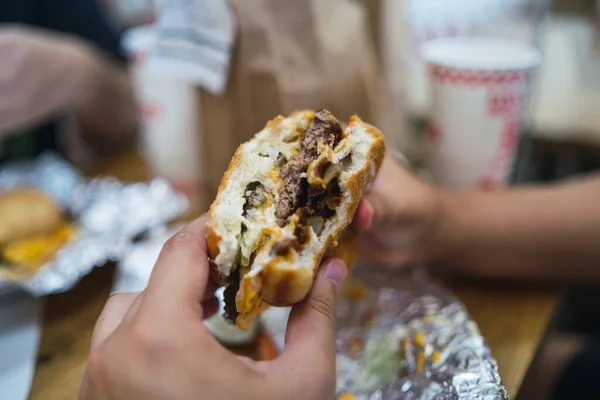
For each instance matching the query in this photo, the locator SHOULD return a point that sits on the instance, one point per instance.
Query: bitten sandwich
(285, 199)
(32, 229)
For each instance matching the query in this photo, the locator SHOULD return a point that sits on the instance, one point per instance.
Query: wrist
(88, 75)
(443, 229)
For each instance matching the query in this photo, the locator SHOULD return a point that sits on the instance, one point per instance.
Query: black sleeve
(83, 18)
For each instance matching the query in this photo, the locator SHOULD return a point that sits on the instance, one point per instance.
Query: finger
(180, 275)
(111, 317)
(376, 253)
(363, 216)
(310, 334)
(247, 361)
(211, 288)
(383, 195)
(210, 303)
(210, 307)
(378, 209)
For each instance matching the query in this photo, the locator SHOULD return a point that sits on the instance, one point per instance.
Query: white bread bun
(275, 266)
(25, 213)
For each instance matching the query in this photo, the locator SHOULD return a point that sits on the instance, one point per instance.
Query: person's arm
(105, 106)
(539, 232)
(43, 73)
(546, 232)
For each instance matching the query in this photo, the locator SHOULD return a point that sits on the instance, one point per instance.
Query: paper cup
(479, 87)
(169, 110)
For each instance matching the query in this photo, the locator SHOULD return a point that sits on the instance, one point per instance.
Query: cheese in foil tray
(56, 226)
(26, 212)
(33, 229)
(24, 257)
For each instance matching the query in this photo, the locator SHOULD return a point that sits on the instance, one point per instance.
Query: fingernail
(336, 271)
(369, 186)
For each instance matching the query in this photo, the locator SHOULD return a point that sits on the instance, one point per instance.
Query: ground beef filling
(324, 128)
(233, 285)
(296, 196)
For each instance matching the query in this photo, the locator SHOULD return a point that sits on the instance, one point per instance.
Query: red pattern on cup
(507, 107)
(476, 77)
(486, 184)
(139, 58)
(434, 132)
(150, 111)
(504, 104)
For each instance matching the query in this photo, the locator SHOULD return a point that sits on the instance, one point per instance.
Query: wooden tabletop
(512, 319)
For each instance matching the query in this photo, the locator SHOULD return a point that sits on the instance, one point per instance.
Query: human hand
(155, 345)
(397, 219)
(40, 73)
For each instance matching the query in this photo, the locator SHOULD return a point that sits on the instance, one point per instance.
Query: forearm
(547, 233)
(105, 107)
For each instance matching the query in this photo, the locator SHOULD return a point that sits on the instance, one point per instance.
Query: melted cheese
(36, 251)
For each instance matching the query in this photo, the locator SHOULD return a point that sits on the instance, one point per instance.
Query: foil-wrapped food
(56, 226)
(401, 336)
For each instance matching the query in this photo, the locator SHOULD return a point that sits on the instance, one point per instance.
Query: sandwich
(33, 229)
(285, 199)
(25, 213)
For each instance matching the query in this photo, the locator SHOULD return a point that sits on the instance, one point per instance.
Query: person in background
(536, 233)
(60, 58)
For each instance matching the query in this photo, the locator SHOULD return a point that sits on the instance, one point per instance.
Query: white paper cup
(169, 111)
(479, 87)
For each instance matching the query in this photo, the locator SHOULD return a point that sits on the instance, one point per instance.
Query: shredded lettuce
(382, 362)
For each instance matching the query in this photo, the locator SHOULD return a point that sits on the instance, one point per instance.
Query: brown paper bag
(290, 54)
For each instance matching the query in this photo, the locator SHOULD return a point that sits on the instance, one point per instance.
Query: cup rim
(473, 53)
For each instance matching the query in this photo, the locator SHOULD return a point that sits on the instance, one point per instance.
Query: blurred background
(560, 126)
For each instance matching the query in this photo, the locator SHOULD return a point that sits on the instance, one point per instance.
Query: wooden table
(512, 319)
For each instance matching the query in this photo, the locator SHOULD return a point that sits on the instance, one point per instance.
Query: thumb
(310, 334)
(382, 199)
(375, 207)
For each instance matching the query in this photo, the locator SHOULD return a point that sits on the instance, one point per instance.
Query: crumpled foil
(109, 215)
(401, 336)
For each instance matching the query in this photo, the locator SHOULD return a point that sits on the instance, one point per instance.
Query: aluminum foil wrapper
(401, 336)
(108, 214)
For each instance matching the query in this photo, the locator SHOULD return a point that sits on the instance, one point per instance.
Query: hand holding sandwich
(398, 218)
(529, 232)
(155, 345)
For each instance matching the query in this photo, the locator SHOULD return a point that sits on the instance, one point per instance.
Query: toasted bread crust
(280, 285)
(212, 238)
(346, 250)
